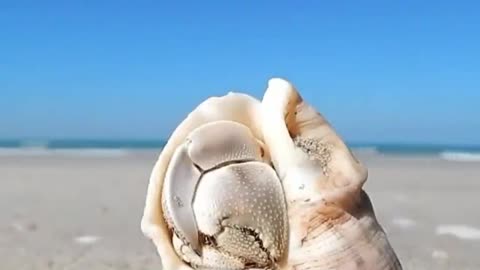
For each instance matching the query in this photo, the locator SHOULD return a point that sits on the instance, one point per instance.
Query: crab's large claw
(331, 220)
(206, 148)
(235, 107)
(214, 201)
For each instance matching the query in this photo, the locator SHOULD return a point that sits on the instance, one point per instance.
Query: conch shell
(244, 184)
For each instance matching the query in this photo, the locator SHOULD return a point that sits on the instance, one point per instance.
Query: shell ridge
(323, 181)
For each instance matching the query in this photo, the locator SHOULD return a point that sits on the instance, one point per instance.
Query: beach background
(77, 204)
(90, 91)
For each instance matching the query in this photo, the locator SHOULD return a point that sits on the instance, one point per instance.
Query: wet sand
(83, 212)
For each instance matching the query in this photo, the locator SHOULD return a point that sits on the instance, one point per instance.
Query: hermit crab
(250, 184)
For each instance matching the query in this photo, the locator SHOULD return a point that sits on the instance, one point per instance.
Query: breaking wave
(461, 156)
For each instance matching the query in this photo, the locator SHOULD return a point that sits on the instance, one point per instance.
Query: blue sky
(383, 71)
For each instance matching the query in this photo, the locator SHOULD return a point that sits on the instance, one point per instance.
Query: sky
(379, 71)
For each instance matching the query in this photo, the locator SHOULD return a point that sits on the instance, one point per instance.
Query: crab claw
(214, 201)
(207, 148)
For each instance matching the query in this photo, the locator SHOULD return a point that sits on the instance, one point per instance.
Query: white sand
(83, 212)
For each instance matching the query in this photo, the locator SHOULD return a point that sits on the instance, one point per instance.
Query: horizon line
(357, 143)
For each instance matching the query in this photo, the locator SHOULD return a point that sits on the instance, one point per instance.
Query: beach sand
(83, 212)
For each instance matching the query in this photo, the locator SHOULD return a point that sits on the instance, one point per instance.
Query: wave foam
(460, 156)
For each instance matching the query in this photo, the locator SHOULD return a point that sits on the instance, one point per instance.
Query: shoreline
(83, 211)
(370, 152)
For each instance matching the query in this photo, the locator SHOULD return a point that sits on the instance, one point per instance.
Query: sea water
(122, 147)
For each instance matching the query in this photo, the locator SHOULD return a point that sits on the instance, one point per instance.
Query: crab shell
(221, 141)
(200, 210)
(223, 201)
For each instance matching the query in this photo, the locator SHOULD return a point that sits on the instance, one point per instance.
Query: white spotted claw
(244, 184)
(214, 201)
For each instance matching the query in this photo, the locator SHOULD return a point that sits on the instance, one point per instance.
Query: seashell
(244, 184)
(332, 223)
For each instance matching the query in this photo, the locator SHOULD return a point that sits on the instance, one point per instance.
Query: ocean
(123, 147)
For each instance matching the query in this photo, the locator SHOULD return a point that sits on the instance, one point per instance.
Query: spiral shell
(244, 184)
